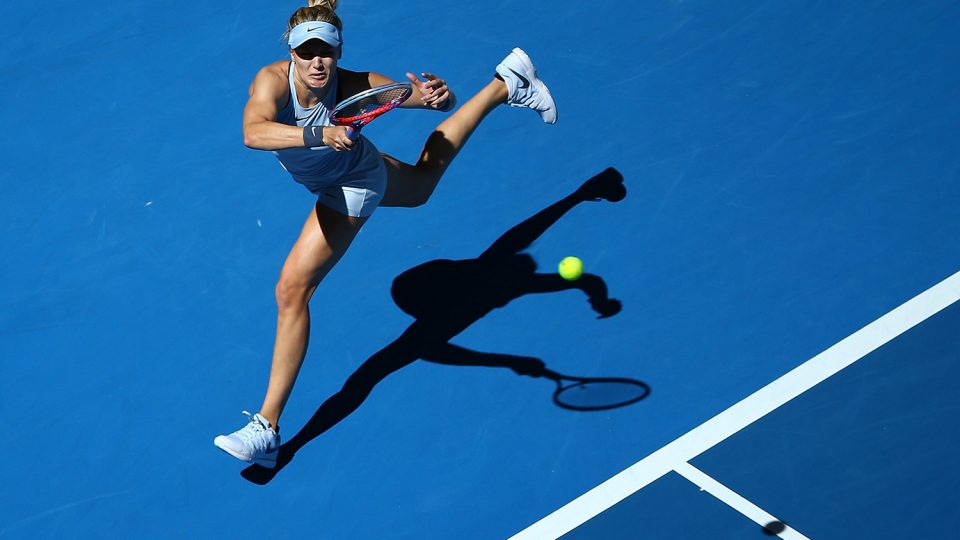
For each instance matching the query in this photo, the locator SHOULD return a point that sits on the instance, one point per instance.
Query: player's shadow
(446, 297)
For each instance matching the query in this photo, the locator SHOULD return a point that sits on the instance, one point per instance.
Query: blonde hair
(315, 11)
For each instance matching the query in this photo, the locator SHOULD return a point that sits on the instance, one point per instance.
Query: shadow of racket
(595, 393)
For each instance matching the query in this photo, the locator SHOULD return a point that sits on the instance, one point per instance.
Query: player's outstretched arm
(431, 93)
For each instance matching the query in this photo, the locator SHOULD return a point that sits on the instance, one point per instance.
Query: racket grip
(353, 133)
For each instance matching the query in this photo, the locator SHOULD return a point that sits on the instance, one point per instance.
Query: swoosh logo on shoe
(523, 80)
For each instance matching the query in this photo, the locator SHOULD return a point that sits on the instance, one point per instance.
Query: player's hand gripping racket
(595, 393)
(363, 108)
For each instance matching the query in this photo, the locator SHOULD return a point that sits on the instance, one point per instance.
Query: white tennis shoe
(524, 88)
(256, 443)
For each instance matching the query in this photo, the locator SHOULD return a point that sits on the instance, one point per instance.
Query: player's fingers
(436, 103)
(343, 141)
(439, 90)
(424, 91)
(432, 80)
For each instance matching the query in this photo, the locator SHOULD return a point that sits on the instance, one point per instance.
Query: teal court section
(868, 453)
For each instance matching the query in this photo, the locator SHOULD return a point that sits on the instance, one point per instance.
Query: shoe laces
(529, 97)
(253, 430)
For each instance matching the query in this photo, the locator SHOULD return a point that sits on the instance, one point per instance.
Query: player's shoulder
(271, 80)
(278, 70)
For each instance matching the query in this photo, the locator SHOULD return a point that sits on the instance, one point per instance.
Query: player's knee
(291, 294)
(420, 195)
(407, 199)
(416, 201)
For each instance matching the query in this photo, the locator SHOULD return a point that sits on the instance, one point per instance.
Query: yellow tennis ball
(571, 268)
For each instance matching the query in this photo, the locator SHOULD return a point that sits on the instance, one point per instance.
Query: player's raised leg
(516, 84)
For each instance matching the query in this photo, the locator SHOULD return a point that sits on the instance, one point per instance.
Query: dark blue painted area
(671, 507)
(792, 175)
(868, 453)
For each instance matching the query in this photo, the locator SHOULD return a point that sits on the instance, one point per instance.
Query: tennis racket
(361, 109)
(595, 393)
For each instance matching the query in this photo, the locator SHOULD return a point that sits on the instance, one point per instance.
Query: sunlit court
(692, 276)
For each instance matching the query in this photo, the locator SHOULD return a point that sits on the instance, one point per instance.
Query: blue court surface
(786, 258)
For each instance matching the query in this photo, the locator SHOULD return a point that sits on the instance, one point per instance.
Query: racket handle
(353, 133)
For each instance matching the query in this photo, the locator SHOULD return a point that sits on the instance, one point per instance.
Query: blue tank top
(320, 166)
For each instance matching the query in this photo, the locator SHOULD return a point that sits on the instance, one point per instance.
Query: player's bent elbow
(250, 140)
(253, 137)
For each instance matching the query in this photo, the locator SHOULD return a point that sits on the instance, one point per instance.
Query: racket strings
(374, 104)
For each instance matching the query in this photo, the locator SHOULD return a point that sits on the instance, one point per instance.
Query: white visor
(323, 31)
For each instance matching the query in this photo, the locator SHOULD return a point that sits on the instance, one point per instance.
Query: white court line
(735, 501)
(747, 411)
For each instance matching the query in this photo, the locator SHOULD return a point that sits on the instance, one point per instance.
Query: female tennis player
(288, 112)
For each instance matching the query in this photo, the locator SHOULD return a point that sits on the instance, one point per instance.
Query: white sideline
(747, 411)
